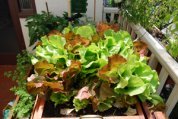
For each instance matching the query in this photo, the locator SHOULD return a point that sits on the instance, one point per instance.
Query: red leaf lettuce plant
(92, 68)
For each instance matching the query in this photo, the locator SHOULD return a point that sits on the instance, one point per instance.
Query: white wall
(57, 7)
(25, 34)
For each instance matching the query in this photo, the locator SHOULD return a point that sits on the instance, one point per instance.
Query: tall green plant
(137, 11)
(159, 13)
(150, 12)
(41, 24)
(164, 13)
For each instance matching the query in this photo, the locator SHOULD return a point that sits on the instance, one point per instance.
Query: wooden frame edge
(11, 110)
(40, 102)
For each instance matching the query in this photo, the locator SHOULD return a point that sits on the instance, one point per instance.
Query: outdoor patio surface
(5, 84)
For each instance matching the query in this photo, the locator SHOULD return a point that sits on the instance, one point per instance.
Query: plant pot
(40, 104)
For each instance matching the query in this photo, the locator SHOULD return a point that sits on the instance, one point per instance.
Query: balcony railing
(159, 59)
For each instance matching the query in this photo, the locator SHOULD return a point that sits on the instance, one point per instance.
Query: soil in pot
(50, 110)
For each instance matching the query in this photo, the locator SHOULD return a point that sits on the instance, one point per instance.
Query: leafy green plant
(159, 13)
(26, 101)
(41, 24)
(103, 73)
(149, 12)
(164, 13)
(20, 73)
(138, 11)
(172, 48)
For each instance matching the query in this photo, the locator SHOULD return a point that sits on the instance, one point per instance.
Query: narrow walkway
(5, 84)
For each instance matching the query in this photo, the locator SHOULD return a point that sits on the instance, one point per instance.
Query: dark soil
(51, 111)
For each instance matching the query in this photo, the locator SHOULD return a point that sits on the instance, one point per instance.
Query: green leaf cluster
(23, 65)
(172, 48)
(138, 11)
(137, 78)
(104, 73)
(160, 13)
(52, 50)
(41, 24)
(150, 12)
(26, 101)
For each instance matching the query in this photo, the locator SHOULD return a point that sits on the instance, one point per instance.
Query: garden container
(39, 107)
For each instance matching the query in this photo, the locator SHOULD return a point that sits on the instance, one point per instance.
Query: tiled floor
(5, 84)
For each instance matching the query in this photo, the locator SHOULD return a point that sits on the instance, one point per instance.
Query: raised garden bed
(91, 75)
(102, 93)
(45, 109)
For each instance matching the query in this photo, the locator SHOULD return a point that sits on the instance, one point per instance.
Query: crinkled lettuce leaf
(51, 50)
(137, 78)
(80, 104)
(86, 31)
(59, 98)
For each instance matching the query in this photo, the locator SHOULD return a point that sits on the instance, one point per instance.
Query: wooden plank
(34, 107)
(163, 77)
(15, 103)
(60, 118)
(129, 28)
(172, 100)
(111, 10)
(133, 34)
(140, 111)
(159, 115)
(125, 24)
(153, 62)
(112, 117)
(152, 115)
(104, 17)
(147, 111)
(120, 21)
(39, 107)
(123, 117)
(112, 17)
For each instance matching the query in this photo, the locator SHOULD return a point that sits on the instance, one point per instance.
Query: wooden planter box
(40, 103)
(152, 115)
(142, 110)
